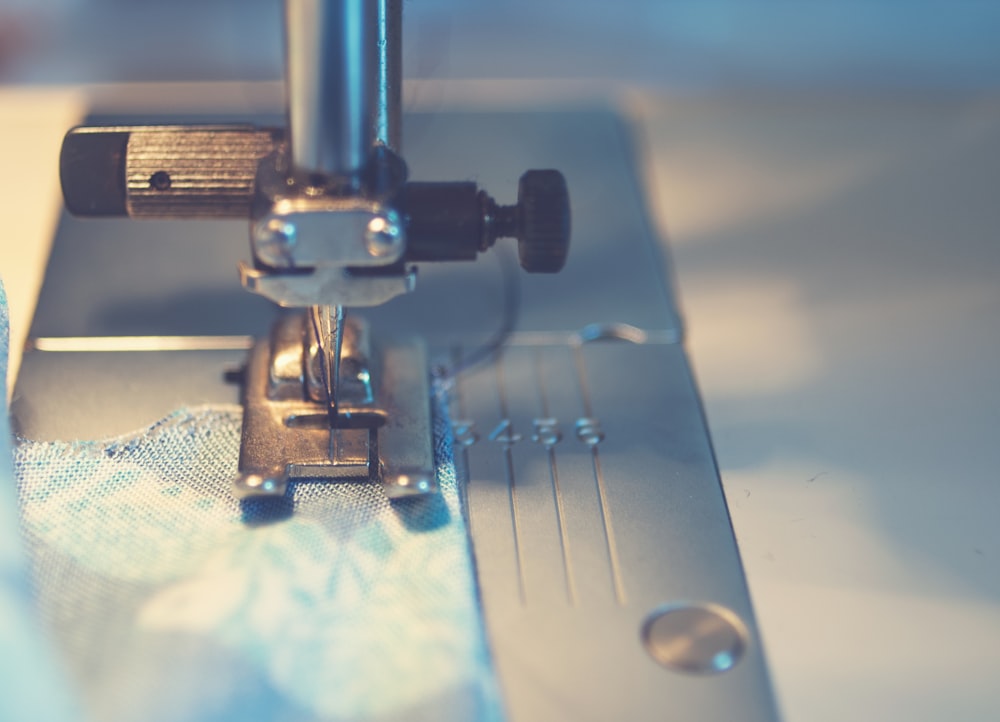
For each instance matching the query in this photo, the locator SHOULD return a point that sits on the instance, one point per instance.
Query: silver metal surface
(356, 360)
(388, 129)
(140, 343)
(593, 501)
(303, 232)
(407, 459)
(698, 639)
(326, 286)
(120, 389)
(322, 349)
(331, 67)
(273, 451)
(384, 236)
(576, 541)
(348, 432)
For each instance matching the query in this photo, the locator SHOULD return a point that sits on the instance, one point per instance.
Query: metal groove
(554, 476)
(609, 534)
(561, 523)
(515, 526)
(602, 495)
(508, 427)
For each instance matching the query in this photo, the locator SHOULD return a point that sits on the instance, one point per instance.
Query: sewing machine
(610, 580)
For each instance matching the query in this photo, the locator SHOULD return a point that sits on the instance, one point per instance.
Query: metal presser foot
(372, 423)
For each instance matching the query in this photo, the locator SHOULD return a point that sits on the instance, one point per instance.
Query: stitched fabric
(172, 601)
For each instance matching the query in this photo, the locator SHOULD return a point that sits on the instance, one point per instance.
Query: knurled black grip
(163, 171)
(544, 228)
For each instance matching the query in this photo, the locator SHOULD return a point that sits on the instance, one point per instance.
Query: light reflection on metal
(695, 639)
(77, 344)
(331, 76)
(594, 332)
(612, 332)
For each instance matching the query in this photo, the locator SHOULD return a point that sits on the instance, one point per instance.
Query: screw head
(273, 242)
(695, 639)
(384, 235)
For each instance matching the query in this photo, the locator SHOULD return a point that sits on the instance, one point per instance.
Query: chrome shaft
(332, 68)
(388, 121)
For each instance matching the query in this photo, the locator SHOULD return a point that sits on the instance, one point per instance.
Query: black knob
(543, 221)
(457, 221)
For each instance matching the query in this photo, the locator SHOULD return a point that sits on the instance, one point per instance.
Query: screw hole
(159, 181)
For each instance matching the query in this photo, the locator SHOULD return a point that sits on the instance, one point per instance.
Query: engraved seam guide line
(609, 534)
(556, 492)
(563, 535)
(511, 482)
(602, 500)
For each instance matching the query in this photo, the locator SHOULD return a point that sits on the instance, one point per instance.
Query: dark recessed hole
(159, 181)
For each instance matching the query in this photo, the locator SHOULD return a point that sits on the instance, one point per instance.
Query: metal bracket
(382, 431)
(304, 232)
(325, 286)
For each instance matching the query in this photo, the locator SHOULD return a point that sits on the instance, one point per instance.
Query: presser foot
(382, 430)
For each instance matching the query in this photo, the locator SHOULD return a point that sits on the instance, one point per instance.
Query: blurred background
(678, 44)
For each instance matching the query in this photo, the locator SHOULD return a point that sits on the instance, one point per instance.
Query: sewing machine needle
(336, 316)
(329, 324)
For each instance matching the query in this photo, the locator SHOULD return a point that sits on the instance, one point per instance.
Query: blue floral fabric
(31, 686)
(171, 601)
